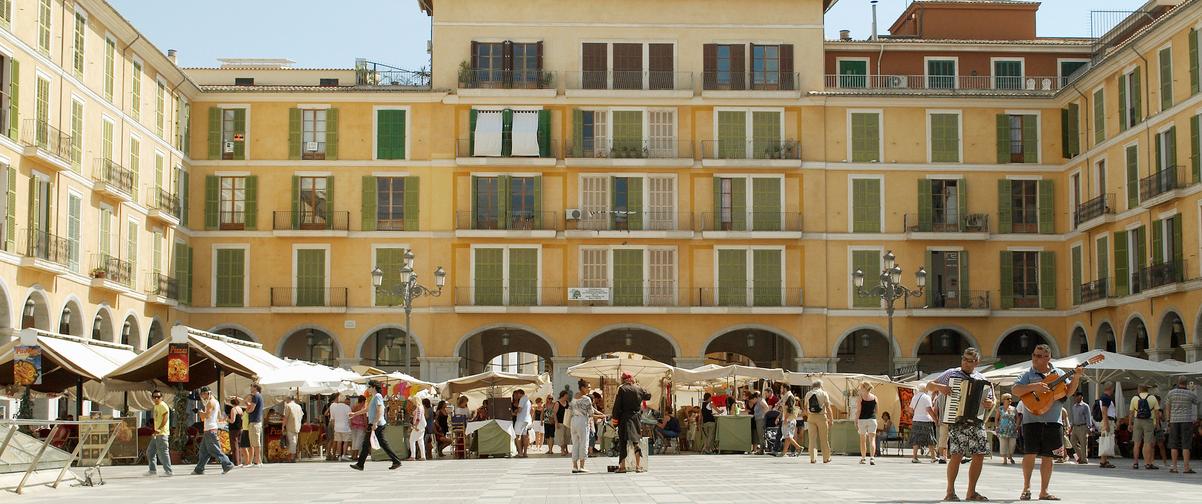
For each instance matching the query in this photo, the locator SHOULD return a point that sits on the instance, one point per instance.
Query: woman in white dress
(583, 414)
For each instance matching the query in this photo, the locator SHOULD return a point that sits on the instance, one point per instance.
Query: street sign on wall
(588, 294)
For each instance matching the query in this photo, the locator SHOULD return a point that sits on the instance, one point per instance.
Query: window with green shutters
(730, 204)
(1047, 280)
(105, 233)
(1138, 250)
(1077, 279)
(1023, 284)
(77, 51)
(42, 111)
(766, 281)
(44, 26)
(390, 133)
(732, 134)
(227, 134)
(160, 108)
(1166, 160)
(627, 133)
(1017, 138)
(1166, 245)
(1102, 262)
(765, 135)
(865, 137)
(732, 277)
(390, 203)
(131, 249)
(6, 12)
(523, 277)
(1122, 264)
(156, 264)
(1132, 152)
(866, 205)
(1070, 135)
(310, 277)
(488, 282)
(14, 97)
(628, 277)
(74, 231)
(110, 65)
(1193, 62)
(135, 159)
(10, 208)
(1165, 59)
(1195, 148)
(945, 137)
(1130, 102)
(1099, 116)
(868, 261)
(183, 273)
(77, 139)
(389, 260)
(135, 90)
(230, 283)
(766, 204)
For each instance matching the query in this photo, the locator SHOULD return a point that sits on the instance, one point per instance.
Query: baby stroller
(772, 442)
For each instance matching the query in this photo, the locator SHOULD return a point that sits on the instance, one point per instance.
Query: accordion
(963, 404)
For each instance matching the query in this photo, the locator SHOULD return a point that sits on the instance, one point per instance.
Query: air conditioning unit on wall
(572, 214)
(897, 82)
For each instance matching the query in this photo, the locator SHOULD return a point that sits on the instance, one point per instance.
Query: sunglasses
(156, 397)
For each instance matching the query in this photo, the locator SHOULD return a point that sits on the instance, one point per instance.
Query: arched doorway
(505, 349)
(313, 345)
(941, 349)
(1171, 336)
(863, 351)
(155, 335)
(70, 321)
(1135, 338)
(1079, 342)
(238, 334)
(1017, 346)
(35, 312)
(630, 340)
(130, 332)
(102, 326)
(752, 347)
(385, 349)
(1105, 339)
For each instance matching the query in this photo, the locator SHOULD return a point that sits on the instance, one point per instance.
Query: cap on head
(204, 390)
(627, 376)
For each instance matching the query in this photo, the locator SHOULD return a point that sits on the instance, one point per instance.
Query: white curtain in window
(487, 134)
(525, 133)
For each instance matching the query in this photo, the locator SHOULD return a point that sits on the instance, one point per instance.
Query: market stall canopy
(1193, 368)
(65, 359)
(300, 377)
(613, 368)
(736, 373)
(208, 355)
(1115, 367)
(842, 389)
(496, 382)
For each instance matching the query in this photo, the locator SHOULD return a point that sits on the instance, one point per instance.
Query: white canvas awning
(612, 368)
(843, 390)
(1115, 367)
(65, 359)
(493, 382)
(487, 136)
(524, 135)
(735, 373)
(210, 355)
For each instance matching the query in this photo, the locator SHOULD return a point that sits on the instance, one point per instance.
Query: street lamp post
(407, 291)
(889, 289)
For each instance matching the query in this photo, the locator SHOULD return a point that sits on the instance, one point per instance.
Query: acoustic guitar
(1039, 403)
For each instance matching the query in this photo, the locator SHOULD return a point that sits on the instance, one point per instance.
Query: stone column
(438, 369)
(1193, 352)
(817, 364)
(690, 362)
(559, 374)
(347, 362)
(1157, 354)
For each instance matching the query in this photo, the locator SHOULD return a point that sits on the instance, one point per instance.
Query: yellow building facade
(662, 180)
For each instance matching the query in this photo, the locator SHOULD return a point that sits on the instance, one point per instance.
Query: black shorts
(244, 439)
(1042, 438)
(1181, 435)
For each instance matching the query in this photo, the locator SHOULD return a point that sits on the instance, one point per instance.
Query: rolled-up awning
(65, 359)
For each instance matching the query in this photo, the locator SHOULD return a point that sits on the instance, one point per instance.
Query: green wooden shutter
(945, 138)
(400, 131)
(503, 201)
(1157, 241)
(965, 293)
(332, 133)
(214, 133)
(489, 278)
(634, 203)
(295, 202)
(230, 285)
(1178, 251)
(412, 202)
(330, 213)
(628, 277)
(925, 210)
(717, 205)
(1164, 58)
(180, 260)
(1101, 250)
(766, 277)
(732, 277)
(865, 130)
(523, 277)
(1123, 103)
(1074, 128)
(544, 133)
(1065, 151)
(506, 132)
(367, 221)
(1170, 144)
(738, 204)
(1006, 279)
(1099, 117)
(1122, 265)
(1047, 207)
(1030, 139)
(866, 206)
(294, 133)
(1136, 97)
(1195, 161)
(765, 204)
(538, 202)
(1047, 280)
(10, 209)
(929, 262)
(1132, 176)
(251, 208)
(14, 97)
(1193, 62)
(1141, 250)
(185, 209)
(240, 128)
(310, 277)
(1003, 138)
(732, 135)
(868, 261)
(471, 133)
(212, 201)
(1005, 219)
(475, 181)
(390, 261)
(1076, 276)
(577, 132)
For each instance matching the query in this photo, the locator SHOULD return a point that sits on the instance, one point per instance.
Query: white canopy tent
(843, 390)
(735, 374)
(1115, 367)
(66, 359)
(300, 377)
(480, 386)
(209, 355)
(648, 373)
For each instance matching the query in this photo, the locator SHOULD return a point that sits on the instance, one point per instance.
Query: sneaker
(861, 460)
(226, 469)
(395, 465)
(872, 461)
(198, 473)
(356, 467)
(256, 465)
(149, 473)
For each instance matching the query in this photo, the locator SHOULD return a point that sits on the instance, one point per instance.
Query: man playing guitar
(965, 439)
(1042, 434)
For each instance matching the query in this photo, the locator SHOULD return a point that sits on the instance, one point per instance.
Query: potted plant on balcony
(465, 73)
(98, 272)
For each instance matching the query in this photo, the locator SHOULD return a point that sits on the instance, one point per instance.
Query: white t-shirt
(214, 409)
(341, 413)
(523, 415)
(921, 404)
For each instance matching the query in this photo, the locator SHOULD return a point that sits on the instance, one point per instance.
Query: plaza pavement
(673, 478)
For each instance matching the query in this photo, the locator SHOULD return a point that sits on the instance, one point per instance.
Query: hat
(627, 376)
(204, 390)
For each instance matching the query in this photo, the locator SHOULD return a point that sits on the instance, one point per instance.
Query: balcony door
(311, 203)
(944, 280)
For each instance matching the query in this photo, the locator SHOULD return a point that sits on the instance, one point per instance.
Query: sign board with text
(588, 294)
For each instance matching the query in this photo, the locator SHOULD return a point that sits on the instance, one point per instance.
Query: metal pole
(37, 457)
(889, 313)
(408, 338)
(78, 398)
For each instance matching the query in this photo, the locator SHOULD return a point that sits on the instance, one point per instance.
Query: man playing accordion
(966, 437)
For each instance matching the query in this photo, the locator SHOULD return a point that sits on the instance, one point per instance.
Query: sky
(394, 32)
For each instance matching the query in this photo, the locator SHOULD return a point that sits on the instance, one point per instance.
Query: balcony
(769, 83)
(1096, 290)
(509, 82)
(627, 152)
(46, 142)
(1157, 275)
(1093, 209)
(947, 226)
(942, 84)
(621, 224)
(402, 223)
(164, 205)
(773, 295)
(749, 224)
(313, 151)
(518, 223)
(734, 151)
(647, 83)
(308, 299)
(304, 223)
(372, 74)
(162, 288)
(1162, 182)
(620, 297)
(965, 302)
(113, 180)
(510, 296)
(45, 251)
(465, 156)
(111, 273)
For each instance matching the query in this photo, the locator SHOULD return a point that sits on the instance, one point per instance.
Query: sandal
(1135, 465)
(1049, 497)
(951, 498)
(1189, 471)
(1151, 467)
(1025, 496)
(1173, 471)
(977, 497)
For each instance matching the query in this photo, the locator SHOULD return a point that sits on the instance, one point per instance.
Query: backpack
(1096, 410)
(1143, 409)
(814, 404)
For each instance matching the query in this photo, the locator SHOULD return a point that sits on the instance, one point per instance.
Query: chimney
(171, 55)
(873, 35)
(844, 35)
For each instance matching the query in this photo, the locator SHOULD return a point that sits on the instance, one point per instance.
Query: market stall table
(734, 433)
